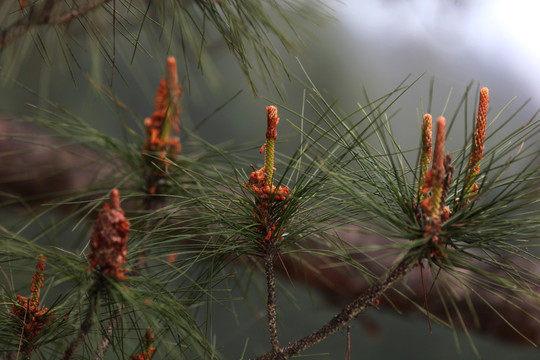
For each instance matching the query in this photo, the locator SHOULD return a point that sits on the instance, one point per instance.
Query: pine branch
(255, 32)
(35, 168)
(43, 156)
(39, 15)
(349, 312)
(340, 283)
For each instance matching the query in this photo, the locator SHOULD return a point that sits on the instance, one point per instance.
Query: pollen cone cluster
(436, 183)
(165, 118)
(108, 244)
(268, 198)
(477, 153)
(29, 312)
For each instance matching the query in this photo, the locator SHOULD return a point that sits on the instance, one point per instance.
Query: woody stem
(271, 302)
(348, 313)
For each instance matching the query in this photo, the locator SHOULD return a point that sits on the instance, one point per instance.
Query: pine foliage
(133, 260)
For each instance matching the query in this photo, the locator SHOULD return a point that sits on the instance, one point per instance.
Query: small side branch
(43, 15)
(353, 309)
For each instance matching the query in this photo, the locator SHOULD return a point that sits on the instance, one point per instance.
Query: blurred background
(371, 43)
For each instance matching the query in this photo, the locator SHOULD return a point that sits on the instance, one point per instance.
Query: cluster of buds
(165, 118)
(269, 198)
(434, 184)
(108, 244)
(29, 312)
(149, 350)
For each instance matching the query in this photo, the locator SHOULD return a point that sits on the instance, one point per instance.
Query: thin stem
(271, 303)
(105, 339)
(348, 351)
(348, 313)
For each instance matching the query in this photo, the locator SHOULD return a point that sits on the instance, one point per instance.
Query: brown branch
(271, 302)
(44, 15)
(349, 312)
(35, 168)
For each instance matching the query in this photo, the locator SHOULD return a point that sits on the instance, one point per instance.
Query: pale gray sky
(474, 36)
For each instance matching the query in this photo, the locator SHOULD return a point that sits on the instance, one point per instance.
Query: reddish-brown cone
(108, 244)
(272, 120)
(434, 181)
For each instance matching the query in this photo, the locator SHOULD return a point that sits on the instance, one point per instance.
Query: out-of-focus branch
(341, 283)
(43, 13)
(32, 166)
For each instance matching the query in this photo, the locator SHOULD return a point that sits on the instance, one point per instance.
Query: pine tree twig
(349, 312)
(271, 303)
(44, 15)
